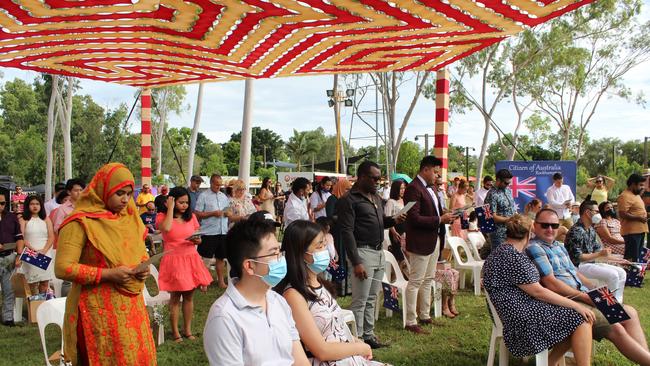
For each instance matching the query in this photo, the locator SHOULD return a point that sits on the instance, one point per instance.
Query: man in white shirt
(560, 197)
(296, 209)
(250, 324)
(479, 195)
(51, 204)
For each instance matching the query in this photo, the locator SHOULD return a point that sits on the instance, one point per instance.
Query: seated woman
(318, 317)
(609, 229)
(534, 318)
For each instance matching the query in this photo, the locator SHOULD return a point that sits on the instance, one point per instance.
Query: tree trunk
(51, 129)
(195, 133)
(565, 142)
(484, 145)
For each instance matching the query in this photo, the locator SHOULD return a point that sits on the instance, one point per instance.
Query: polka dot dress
(529, 325)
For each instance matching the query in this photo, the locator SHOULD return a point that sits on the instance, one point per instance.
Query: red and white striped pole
(145, 137)
(442, 119)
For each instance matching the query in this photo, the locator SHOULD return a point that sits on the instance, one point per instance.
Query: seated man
(559, 275)
(584, 249)
(149, 217)
(250, 324)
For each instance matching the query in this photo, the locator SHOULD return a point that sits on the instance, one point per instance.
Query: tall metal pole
(246, 135)
(467, 162)
(195, 133)
(645, 154)
(426, 144)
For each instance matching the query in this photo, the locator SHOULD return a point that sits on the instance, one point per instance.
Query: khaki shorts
(601, 327)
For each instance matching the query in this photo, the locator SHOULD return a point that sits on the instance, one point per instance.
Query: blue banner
(531, 179)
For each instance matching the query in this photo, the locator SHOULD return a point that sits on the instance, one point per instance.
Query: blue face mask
(277, 271)
(321, 261)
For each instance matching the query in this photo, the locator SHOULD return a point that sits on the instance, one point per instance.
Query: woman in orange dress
(100, 244)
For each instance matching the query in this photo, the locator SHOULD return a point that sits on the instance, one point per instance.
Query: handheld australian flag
(337, 271)
(608, 305)
(35, 259)
(485, 219)
(635, 275)
(464, 221)
(391, 294)
(644, 257)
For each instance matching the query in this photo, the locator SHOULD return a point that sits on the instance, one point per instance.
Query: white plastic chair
(161, 299)
(541, 359)
(470, 265)
(50, 312)
(56, 284)
(476, 241)
(400, 283)
(348, 318)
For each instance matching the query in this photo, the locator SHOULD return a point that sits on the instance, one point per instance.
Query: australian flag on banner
(391, 294)
(635, 275)
(35, 258)
(337, 271)
(608, 305)
(485, 219)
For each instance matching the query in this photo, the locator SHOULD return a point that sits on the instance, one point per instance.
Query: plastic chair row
(472, 263)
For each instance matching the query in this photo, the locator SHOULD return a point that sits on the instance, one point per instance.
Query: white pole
(195, 133)
(246, 135)
(67, 142)
(51, 128)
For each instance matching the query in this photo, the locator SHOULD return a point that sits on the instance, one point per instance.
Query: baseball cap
(263, 215)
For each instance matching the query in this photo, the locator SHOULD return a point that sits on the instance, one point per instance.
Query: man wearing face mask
(250, 324)
(296, 208)
(502, 205)
(585, 249)
(634, 218)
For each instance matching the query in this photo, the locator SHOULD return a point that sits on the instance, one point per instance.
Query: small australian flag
(485, 219)
(464, 221)
(635, 275)
(608, 305)
(391, 294)
(337, 271)
(35, 259)
(644, 256)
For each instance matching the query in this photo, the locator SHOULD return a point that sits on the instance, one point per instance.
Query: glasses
(375, 178)
(277, 256)
(2, 203)
(546, 225)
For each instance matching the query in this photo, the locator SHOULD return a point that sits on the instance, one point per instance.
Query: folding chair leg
(403, 310)
(18, 310)
(462, 278)
(541, 359)
(161, 334)
(477, 282)
(493, 347)
(504, 354)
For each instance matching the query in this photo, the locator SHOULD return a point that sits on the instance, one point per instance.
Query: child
(325, 224)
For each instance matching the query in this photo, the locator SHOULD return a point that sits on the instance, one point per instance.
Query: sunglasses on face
(2, 203)
(546, 225)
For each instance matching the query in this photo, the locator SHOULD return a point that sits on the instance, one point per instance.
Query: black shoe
(9, 323)
(374, 343)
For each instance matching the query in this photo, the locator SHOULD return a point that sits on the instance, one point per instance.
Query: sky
(300, 102)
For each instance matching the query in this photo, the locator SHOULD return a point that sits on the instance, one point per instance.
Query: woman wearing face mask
(100, 245)
(609, 229)
(588, 255)
(181, 268)
(534, 317)
(326, 338)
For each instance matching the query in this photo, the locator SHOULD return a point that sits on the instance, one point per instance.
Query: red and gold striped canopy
(161, 42)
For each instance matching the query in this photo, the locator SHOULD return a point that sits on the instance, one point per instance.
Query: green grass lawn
(462, 341)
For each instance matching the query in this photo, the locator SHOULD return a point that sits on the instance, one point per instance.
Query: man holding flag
(502, 206)
(558, 274)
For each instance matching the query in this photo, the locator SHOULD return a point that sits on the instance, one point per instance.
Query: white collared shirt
(432, 193)
(479, 196)
(556, 198)
(238, 333)
(296, 209)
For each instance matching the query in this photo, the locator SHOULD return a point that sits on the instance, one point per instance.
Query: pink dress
(182, 269)
(458, 201)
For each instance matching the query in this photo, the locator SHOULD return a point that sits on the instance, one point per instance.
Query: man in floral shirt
(584, 249)
(502, 206)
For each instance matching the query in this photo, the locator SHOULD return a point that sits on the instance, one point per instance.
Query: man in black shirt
(160, 199)
(9, 233)
(362, 223)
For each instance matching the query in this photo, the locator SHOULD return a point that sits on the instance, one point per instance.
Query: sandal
(191, 337)
(178, 339)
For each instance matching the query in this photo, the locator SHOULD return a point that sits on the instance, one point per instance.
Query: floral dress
(241, 207)
(614, 227)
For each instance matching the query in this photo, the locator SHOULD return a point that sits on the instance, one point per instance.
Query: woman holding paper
(181, 268)
(458, 202)
(99, 246)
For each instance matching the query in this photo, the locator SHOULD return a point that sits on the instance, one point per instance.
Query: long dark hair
(319, 187)
(395, 188)
(265, 183)
(27, 214)
(297, 237)
(178, 192)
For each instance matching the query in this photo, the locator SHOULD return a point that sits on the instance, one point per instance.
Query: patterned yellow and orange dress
(105, 323)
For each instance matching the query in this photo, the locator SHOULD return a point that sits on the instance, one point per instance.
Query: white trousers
(614, 277)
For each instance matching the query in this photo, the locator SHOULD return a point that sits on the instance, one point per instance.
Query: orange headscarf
(118, 236)
(341, 186)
